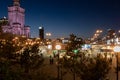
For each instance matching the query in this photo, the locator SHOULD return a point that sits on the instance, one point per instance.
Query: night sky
(63, 17)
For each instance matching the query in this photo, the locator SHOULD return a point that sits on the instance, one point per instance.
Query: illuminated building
(41, 33)
(110, 34)
(16, 20)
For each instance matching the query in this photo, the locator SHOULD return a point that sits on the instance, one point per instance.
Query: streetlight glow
(58, 47)
(48, 34)
(116, 49)
(49, 46)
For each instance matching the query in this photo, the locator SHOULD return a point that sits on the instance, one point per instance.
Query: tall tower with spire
(16, 3)
(16, 18)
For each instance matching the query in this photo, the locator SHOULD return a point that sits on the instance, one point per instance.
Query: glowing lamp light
(49, 46)
(116, 49)
(48, 34)
(58, 47)
(75, 51)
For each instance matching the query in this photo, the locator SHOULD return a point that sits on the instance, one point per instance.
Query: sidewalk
(51, 69)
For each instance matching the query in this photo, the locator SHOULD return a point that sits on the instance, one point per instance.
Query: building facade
(41, 33)
(16, 20)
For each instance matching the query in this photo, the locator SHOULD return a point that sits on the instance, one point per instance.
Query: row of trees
(21, 66)
(84, 65)
(86, 68)
(74, 43)
(28, 65)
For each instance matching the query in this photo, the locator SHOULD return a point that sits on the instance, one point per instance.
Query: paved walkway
(52, 70)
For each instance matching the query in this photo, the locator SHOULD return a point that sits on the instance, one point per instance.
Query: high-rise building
(16, 20)
(41, 33)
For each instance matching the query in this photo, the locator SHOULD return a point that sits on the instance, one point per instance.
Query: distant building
(65, 40)
(111, 37)
(41, 33)
(3, 21)
(16, 20)
(110, 34)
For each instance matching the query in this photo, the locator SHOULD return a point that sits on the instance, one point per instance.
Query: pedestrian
(51, 59)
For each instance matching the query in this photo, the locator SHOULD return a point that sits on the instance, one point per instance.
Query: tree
(6, 49)
(7, 36)
(25, 67)
(88, 68)
(34, 48)
(74, 43)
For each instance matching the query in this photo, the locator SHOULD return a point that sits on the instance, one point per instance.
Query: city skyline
(63, 17)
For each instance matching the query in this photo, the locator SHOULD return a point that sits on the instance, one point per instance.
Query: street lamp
(117, 50)
(48, 34)
(58, 47)
(48, 40)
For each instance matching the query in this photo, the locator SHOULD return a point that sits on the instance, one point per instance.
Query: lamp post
(117, 50)
(58, 47)
(48, 40)
(48, 34)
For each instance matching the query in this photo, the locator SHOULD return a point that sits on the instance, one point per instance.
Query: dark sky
(63, 17)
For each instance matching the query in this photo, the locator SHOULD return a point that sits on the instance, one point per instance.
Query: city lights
(48, 34)
(69, 46)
